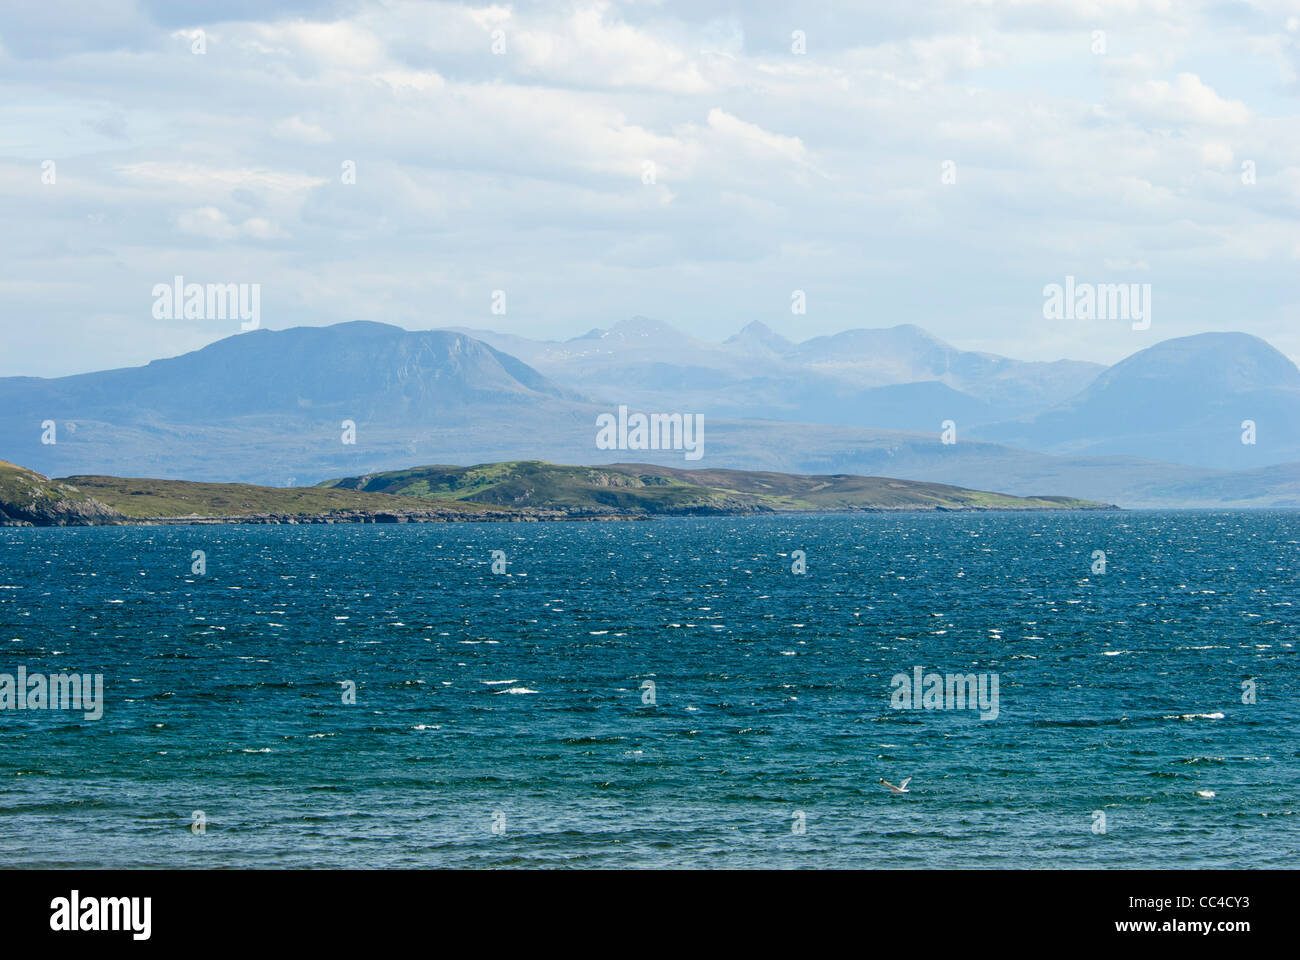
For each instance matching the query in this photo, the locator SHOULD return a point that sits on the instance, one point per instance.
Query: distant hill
(1273, 486)
(29, 499)
(657, 490)
(1183, 400)
(523, 490)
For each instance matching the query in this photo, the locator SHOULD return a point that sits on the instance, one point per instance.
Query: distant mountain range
(899, 378)
(1161, 428)
(1182, 400)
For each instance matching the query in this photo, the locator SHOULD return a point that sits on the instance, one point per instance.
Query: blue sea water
(515, 701)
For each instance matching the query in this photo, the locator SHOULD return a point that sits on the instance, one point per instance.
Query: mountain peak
(1200, 400)
(756, 335)
(1226, 362)
(634, 329)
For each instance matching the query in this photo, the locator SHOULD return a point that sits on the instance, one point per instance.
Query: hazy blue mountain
(758, 339)
(637, 340)
(1183, 400)
(920, 406)
(251, 398)
(267, 407)
(1272, 486)
(908, 354)
(832, 379)
(350, 369)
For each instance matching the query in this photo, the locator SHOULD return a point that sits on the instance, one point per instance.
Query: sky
(933, 163)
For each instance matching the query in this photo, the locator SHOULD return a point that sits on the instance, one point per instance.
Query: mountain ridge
(822, 379)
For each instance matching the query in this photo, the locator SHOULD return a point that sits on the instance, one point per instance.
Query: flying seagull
(901, 788)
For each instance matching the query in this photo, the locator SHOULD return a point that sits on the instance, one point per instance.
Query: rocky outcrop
(29, 499)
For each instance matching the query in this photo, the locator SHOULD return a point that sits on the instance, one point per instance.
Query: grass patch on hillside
(146, 499)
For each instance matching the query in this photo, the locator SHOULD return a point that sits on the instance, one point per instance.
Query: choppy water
(521, 695)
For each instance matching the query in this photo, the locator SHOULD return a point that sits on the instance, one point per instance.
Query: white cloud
(411, 81)
(1217, 155)
(343, 44)
(1186, 100)
(589, 46)
(792, 148)
(213, 224)
(198, 177)
(296, 128)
